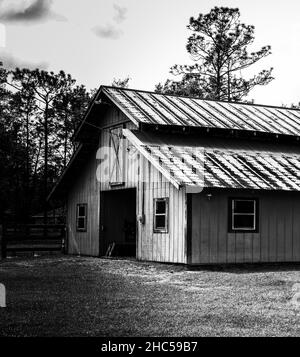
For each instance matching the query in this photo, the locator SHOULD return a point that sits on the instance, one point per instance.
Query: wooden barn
(183, 180)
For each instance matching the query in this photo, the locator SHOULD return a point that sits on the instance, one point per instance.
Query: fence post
(63, 239)
(2, 295)
(2, 242)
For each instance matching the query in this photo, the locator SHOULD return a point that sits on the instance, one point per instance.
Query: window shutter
(117, 159)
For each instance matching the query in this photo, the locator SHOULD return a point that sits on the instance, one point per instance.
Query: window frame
(166, 214)
(232, 214)
(78, 206)
(117, 156)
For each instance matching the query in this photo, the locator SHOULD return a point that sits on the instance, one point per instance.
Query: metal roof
(154, 108)
(211, 167)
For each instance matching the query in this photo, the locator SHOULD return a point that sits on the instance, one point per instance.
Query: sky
(99, 40)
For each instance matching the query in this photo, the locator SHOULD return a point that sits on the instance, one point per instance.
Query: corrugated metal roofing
(208, 167)
(148, 107)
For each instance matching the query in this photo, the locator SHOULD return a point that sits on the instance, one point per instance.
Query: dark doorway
(118, 222)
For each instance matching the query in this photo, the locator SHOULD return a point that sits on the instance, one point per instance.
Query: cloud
(107, 31)
(11, 62)
(27, 11)
(110, 31)
(120, 15)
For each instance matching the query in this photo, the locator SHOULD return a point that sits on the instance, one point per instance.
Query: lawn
(80, 296)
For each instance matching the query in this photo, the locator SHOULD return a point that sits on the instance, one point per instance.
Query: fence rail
(32, 237)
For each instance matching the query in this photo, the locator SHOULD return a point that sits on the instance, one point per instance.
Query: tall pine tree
(219, 46)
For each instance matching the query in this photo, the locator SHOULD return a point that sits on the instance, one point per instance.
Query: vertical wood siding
(164, 247)
(130, 164)
(112, 117)
(278, 239)
(85, 189)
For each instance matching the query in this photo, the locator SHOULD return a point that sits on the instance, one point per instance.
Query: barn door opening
(118, 222)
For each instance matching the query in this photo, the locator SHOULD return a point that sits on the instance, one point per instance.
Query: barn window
(243, 215)
(161, 213)
(81, 217)
(116, 157)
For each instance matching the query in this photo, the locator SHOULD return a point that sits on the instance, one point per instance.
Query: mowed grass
(78, 296)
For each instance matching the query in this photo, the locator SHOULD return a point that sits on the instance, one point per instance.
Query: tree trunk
(218, 86)
(46, 163)
(66, 141)
(218, 78)
(27, 201)
(228, 83)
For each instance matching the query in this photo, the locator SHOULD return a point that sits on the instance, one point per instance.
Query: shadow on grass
(243, 268)
(235, 268)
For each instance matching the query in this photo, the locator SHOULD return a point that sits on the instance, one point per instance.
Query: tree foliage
(188, 86)
(121, 83)
(12, 153)
(219, 46)
(39, 112)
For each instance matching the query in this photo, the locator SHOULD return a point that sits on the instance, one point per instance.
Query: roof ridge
(199, 98)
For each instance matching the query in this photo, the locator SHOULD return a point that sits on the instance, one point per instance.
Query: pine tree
(219, 47)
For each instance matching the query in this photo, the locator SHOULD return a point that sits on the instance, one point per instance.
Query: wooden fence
(32, 238)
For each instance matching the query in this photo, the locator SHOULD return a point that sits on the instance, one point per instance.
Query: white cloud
(120, 15)
(11, 62)
(111, 31)
(27, 11)
(107, 31)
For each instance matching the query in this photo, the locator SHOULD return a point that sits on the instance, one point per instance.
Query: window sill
(113, 184)
(243, 231)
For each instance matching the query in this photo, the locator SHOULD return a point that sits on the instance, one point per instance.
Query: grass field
(77, 296)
